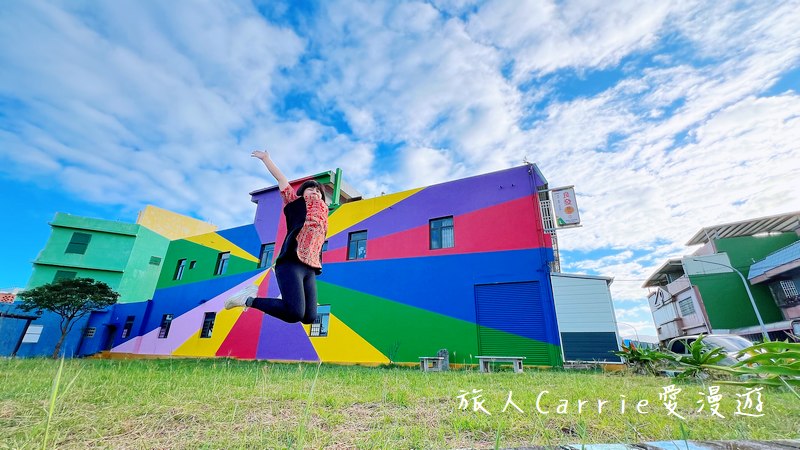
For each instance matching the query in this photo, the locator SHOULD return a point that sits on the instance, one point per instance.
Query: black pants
(298, 285)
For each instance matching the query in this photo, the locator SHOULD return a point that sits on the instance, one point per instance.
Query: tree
(70, 299)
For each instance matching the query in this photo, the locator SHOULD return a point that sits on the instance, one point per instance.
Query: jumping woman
(300, 259)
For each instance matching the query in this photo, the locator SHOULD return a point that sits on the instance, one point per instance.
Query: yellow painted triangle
(350, 214)
(261, 277)
(195, 346)
(344, 345)
(217, 242)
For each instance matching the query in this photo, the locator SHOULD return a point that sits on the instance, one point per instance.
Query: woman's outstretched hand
(263, 155)
(260, 154)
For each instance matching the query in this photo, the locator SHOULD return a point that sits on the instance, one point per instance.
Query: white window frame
(33, 334)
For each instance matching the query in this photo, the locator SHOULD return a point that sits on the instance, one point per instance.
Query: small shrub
(643, 361)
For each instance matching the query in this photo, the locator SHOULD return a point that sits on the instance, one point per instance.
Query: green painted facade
(404, 333)
(144, 266)
(724, 295)
(125, 256)
(205, 261)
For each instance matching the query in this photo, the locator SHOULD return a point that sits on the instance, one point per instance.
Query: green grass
(219, 403)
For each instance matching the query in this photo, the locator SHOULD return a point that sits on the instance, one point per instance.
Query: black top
(295, 213)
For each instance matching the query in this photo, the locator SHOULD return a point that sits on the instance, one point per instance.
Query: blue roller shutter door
(508, 311)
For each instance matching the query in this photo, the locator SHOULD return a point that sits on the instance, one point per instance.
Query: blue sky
(666, 116)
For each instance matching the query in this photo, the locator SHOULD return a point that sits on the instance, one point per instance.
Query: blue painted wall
(10, 330)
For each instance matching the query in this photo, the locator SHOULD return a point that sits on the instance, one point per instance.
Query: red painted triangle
(242, 341)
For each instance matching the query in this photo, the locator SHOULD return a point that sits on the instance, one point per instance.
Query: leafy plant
(773, 364)
(699, 360)
(766, 364)
(643, 360)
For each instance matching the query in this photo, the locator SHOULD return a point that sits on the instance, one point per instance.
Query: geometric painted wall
(126, 256)
(489, 293)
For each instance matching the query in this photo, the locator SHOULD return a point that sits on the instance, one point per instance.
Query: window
(208, 324)
(78, 243)
(192, 264)
(267, 250)
(32, 335)
(357, 245)
(784, 292)
(320, 326)
(64, 275)
(166, 321)
(687, 306)
(126, 331)
(90, 332)
(155, 260)
(442, 234)
(179, 269)
(789, 288)
(222, 263)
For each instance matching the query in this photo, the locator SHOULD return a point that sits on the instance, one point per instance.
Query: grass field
(219, 403)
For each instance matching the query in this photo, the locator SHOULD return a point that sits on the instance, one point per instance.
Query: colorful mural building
(703, 293)
(466, 266)
(128, 257)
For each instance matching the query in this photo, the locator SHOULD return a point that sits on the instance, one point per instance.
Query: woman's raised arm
(273, 169)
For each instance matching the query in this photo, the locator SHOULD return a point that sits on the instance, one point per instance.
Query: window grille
(687, 307)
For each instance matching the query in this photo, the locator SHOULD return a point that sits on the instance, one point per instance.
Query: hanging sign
(566, 208)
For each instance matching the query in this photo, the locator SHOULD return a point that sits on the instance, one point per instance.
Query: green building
(707, 291)
(125, 256)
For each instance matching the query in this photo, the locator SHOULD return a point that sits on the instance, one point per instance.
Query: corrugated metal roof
(777, 258)
(659, 277)
(779, 223)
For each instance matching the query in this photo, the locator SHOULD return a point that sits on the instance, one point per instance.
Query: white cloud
(540, 36)
(635, 312)
(643, 329)
(738, 168)
(454, 7)
(424, 82)
(422, 166)
(735, 162)
(122, 107)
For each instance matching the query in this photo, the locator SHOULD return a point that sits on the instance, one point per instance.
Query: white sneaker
(239, 299)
